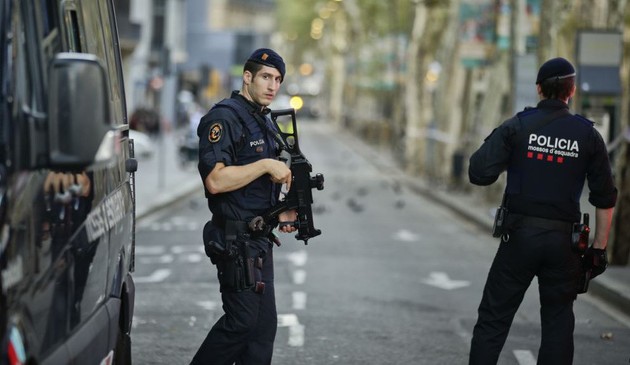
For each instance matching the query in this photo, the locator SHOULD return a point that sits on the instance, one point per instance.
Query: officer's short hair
(252, 67)
(557, 88)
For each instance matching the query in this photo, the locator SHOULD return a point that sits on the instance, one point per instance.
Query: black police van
(67, 209)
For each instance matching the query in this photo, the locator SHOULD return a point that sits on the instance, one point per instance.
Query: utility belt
(509, 221)
(234, 227)
(505, 222)
(519, 220)
(239, 261)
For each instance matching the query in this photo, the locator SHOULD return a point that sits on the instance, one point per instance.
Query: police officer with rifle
(548, 153)
(255, 179)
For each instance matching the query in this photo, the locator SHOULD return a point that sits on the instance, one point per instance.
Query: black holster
(500, 228)
(579, 235)
(579, 245)
(244, 270)
(238, 263)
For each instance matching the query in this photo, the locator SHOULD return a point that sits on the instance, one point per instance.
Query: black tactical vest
(257, 143)
(548, 165)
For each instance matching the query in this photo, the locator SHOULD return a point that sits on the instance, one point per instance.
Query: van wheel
(122, 353)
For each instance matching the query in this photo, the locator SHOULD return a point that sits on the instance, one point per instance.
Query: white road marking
(194, 257)
(299, 277)
(299, 300)
(296, 330)
(150, 250)
(162, 259)
(442, 281)
(155, 277)
(298, 258)
(287, 320)
(406, 236)
(209, 305)
(187, 248)
(179, 220)
(524, 357)
(296, 336)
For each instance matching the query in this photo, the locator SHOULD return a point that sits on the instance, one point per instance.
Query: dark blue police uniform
(546, 170)
(236, 132)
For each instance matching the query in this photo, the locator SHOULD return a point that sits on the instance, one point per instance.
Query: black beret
(270, 58)
(555, 67)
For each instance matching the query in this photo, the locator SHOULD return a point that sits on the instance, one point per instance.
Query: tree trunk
(547, 34)
(620, 246)
(619, 241)
(338, 70)
(449, 95)
(413, 148)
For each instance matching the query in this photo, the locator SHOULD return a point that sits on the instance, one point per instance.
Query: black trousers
(529, 252)
(246, 332)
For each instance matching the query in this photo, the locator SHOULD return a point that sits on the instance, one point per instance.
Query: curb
(611, 290)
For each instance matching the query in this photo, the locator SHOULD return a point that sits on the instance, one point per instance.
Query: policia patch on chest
(216, 132)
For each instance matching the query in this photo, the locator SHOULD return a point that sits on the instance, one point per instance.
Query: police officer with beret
(239, 166)
(548, 153)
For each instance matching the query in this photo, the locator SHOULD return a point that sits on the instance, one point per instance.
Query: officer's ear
(247, 77)
(539, 91)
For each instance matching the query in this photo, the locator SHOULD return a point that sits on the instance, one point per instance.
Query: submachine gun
(299, 197)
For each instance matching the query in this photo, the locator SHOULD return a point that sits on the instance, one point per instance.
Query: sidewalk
(162, 180)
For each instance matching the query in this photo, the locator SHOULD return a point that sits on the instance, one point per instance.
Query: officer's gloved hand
(595, 259)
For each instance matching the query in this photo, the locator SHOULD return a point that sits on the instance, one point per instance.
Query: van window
(46, 13)
(111, 49)
(74, 31)
(91, 30)
(21, 70)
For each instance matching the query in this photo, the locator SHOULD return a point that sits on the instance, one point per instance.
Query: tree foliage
(377, 41)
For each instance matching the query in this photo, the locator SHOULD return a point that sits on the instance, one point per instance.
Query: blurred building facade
(152, 39)
(220, 35)
(178, 53)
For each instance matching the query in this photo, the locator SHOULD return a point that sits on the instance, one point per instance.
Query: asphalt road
(393, 279)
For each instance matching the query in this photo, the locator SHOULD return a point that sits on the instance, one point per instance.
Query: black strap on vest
(237, 109)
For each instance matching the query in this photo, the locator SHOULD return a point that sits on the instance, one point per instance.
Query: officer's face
(263, 87)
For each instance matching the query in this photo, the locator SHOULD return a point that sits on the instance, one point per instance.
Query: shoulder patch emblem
(216, 132)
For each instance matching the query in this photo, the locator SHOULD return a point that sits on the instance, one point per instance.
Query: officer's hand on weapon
(595, 259)
(279, 172)
(287, 221)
